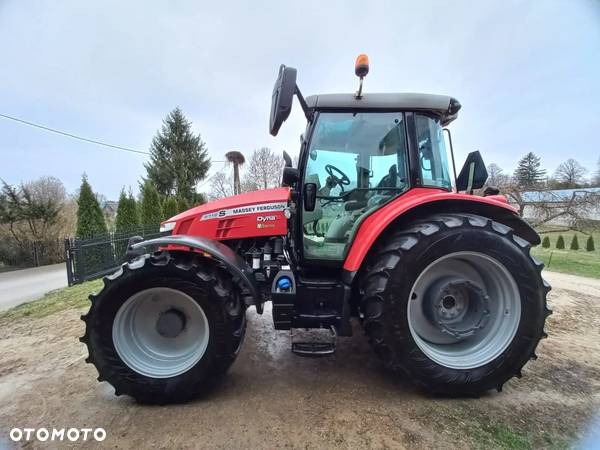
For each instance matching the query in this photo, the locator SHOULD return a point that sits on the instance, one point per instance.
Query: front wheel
(164, 329)
(456, 302)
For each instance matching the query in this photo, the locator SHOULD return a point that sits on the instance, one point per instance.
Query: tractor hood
(251, 214)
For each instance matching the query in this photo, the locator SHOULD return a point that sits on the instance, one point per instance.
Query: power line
(93, 141)
(71, 135)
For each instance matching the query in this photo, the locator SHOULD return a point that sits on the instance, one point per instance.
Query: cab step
(313, 342)
(313, 349)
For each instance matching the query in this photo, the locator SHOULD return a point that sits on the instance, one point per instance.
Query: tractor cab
(361, 151)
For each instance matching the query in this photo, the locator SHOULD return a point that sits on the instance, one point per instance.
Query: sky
(527, 74)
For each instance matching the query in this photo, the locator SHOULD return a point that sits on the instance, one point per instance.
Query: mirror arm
(451, 154)
(307, 112)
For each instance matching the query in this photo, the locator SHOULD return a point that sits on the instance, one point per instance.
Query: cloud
(525, 73)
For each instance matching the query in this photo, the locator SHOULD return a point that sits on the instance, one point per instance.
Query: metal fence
(92, 258)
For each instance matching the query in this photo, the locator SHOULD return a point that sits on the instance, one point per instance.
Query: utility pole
(237, 159)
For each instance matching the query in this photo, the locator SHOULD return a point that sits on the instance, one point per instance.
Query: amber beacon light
(361, 69)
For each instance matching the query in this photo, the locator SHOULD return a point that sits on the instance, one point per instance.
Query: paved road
(24, 285)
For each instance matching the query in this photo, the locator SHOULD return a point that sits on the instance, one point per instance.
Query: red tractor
(373, 224)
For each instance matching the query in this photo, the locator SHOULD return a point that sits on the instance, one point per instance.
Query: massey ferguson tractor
(373, 225)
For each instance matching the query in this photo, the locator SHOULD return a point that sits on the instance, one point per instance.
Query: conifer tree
(546, 242)
(90, 220)
(128, 219)
(170, 208)
(589, 245)
(182, 205)
(574, 243)
(560, 242)
(178, 158)
(529, 172)
(151, 211)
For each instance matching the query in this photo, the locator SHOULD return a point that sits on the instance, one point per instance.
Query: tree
(546, 242)
(128, 218)
(589, 245)
(529, 172)
(90, 220)
(496, 176)
(560, 242)
(33, 210)
(221, 186)
(170, 208)
(574, 243)
(182, 205)
(570, 174)
(199, 199)
(151, 210)
(178, 158)
(263, 171)
(596, 179)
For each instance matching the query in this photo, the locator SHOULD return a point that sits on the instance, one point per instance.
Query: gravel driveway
(274, 399)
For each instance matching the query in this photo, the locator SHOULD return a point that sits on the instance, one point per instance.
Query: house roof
(557, 195)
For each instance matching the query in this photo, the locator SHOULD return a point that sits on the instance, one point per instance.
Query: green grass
(67, 298)
(498, 436)
(575, 262)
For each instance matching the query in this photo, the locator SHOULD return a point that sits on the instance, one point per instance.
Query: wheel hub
(460, 308)
(171, 323)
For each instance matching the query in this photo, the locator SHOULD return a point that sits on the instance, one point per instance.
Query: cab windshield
(358, 162)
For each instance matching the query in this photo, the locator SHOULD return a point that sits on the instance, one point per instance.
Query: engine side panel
(252, 214)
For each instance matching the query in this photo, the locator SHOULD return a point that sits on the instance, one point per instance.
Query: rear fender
(225, 256)
(419, 203)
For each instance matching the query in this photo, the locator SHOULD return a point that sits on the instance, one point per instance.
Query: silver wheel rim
(160, 332)
(464, 310)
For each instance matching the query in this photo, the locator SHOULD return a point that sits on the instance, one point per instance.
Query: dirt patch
(273, 399)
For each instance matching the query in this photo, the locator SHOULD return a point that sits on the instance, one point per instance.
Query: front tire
(165, 328)
(455, 302)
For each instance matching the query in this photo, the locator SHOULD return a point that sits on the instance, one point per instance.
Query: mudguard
(420, 202)
(235, 264)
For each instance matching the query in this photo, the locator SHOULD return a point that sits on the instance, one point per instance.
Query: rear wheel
(456, 302)
(164, 329)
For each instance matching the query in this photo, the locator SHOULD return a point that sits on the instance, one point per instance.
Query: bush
(128, 218)
(560, 242)
(182, 204)
(589, 245)
(90, 220)
(151, 208)
(170, 208)
(546, 242)
(91, 224)
(574, 243)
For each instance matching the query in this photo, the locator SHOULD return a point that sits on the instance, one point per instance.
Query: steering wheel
(343, 180)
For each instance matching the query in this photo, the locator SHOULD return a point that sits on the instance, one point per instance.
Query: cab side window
(433, 156)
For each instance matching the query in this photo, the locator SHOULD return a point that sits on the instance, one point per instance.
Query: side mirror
(310, 196)
(473, 174)
(290, 176)
(288, 159)
(283, 95)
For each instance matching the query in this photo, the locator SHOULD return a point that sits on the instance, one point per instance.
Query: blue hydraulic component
(284, 283)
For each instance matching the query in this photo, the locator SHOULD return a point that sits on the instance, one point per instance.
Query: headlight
(167, 226)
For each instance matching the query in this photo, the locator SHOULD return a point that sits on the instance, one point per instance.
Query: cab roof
(443, 106)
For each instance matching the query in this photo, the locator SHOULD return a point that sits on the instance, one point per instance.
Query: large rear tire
(454, 302)
(165, 328)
